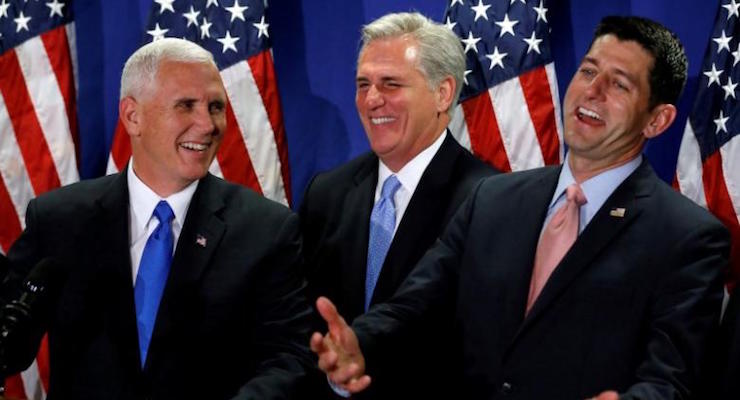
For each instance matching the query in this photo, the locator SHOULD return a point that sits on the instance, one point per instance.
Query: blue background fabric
(315, 44)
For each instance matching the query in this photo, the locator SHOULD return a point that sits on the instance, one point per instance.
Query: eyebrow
(630, 77)
(382, 79)
(181, 100)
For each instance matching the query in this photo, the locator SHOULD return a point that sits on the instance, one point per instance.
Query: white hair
(141, 68)
(440, 52)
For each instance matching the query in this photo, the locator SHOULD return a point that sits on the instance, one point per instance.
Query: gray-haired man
(367, 222)
(179, 285)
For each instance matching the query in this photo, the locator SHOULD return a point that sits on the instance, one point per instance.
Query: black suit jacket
(232, 320)
(722, 378)
(628, 308)
(335, 218)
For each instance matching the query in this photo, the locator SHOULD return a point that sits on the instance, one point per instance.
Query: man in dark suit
(230, 318)
(629, 302)
(409, 76)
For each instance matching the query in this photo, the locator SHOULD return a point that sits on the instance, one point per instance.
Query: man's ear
(128, 112)
(445, 91)
(661, 118)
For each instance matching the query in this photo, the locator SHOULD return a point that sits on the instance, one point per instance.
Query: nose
(597, 86)
(373, 97)
(205, 121)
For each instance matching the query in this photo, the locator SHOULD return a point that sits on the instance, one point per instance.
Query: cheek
(220, 123)
(570, 93)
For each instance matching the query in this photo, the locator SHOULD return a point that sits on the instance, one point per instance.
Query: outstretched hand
(607, 395)
(339, 352)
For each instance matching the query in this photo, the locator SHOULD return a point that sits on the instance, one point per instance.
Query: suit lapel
(360, 199)
(605, 226)
(113, 261)
(533, 200)
(200, 236)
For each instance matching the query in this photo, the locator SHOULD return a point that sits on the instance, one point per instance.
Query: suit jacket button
(506, 388)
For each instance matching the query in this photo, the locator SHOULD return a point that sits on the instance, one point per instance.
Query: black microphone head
(4, 267)
(47, 272)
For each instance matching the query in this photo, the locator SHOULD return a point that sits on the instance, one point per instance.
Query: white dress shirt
(597, 189)
(142, 222)
(409, 176)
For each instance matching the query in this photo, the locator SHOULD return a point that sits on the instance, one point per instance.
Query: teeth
(381, 120)
(194, 146)
(589, 113)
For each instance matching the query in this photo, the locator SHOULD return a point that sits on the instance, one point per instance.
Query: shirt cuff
(339, 391)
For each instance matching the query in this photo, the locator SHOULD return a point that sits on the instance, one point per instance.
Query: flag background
(315, 45)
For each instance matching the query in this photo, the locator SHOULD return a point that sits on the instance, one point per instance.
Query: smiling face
(606, 113)
(176, 125)
(401, 114)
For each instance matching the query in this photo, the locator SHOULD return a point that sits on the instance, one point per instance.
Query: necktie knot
(390, 186)
(164, 213)
(575, 194)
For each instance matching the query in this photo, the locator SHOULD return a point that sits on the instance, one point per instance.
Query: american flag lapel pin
(617, 212)
(200, 240)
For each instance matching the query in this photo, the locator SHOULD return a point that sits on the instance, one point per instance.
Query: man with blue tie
(367, 222)
(178, 284)
(574, 281)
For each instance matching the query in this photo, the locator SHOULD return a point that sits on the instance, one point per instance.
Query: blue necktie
(152, 276)
(382, 223)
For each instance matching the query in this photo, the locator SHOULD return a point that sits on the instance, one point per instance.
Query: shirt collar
(410, 174)
(598, 188)
(143, 200)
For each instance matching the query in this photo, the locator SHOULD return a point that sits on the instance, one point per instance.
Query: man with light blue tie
(593, 278)
(367, 222)
(178, 284)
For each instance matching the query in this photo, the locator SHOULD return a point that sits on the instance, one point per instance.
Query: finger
(329, 313)
(317, 343)
(358, 385)
(328, 361)
(347, 373)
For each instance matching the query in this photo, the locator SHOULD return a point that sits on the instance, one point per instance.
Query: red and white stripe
(515, 125)
(38, 148)
(714, 184)
(254, 149)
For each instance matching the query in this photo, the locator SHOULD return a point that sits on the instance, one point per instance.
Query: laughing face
(607, 118)
(177, 125)
(401, 114)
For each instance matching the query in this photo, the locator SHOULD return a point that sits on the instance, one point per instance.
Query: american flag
(38, 128)
(708, 169)
(509, 112)
(39, 148)
(254, 150)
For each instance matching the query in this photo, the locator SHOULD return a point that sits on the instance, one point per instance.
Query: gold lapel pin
(617, 212)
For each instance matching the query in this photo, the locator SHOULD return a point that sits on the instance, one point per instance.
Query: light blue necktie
(152, 276)
(382, 223)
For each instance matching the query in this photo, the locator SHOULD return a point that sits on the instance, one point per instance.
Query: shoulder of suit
(240, 198)
(73, 203)
(530, 176)
(334, 182)
(680, 209)
(348, 170)
(86, 191)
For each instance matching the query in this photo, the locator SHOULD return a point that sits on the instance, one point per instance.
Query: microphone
(18, 317)
(4, 268)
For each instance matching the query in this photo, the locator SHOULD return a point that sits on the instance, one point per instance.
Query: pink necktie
(559, 235)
